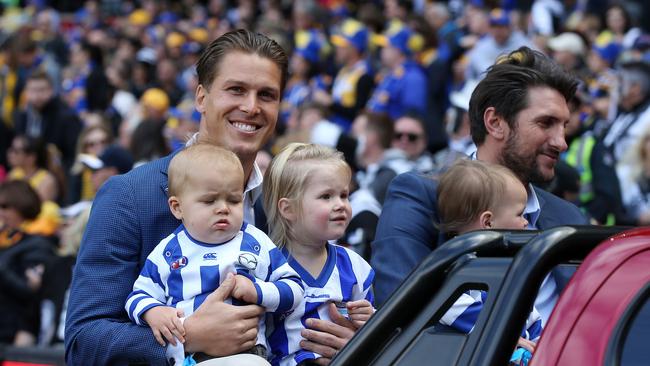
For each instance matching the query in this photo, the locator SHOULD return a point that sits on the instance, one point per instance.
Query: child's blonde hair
(286, 177)
(467, 189)
(198, 157)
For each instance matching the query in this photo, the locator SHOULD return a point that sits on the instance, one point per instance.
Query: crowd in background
(90, 89)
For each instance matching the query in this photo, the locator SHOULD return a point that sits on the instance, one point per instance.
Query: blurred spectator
(403, 85)
(153, 106)
(28, 158)
(46, 117)
(113, 160)
(501, 39)
(306, 71)
(619, 26)
(148, 141)
(568, 49)
(379, 160)
(546, 16)
(47, 35)
(354, 81)
(634, 175)
(633, 117)
(92, 142)
(410, 136)
(22, 259)
(167, 80)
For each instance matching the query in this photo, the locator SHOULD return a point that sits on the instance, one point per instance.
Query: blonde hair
(198, 157)
(467, 189)
(286, 177)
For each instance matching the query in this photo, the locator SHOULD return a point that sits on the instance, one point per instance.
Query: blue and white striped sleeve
(148, 289)
(283, 289)
(462, 315)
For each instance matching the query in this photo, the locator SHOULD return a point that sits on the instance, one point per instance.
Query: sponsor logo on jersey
(210, 256)
(248, 260)
(179, 263)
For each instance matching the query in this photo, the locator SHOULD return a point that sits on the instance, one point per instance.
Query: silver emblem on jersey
(248, 260)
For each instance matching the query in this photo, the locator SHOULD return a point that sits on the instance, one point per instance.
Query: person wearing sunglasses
(411, 138)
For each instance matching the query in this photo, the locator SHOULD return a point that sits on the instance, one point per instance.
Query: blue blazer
(129, 217)
(406, 234)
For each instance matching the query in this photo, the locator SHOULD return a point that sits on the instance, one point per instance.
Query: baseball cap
(174, 39)
(140, 17)
(311, 45)
(609, 52)
(499, 16)
(116, 157)
(351, 33)
(155, 98)
(401, 37)
(568, 42)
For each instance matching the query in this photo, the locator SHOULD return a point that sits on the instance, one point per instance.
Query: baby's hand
(526, 344)
(244, 290)
(359, 312)
(165, 322)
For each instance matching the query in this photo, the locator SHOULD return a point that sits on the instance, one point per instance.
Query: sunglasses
(412, 137)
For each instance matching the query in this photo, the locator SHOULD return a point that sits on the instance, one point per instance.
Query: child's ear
(175, 207)
(486, 220)
(286, 209)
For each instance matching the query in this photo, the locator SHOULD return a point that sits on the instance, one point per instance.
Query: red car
(603, 315)
(601, 318)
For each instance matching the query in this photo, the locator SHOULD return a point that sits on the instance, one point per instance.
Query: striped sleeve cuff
(279, 295)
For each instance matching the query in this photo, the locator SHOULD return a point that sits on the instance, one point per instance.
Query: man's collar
(533, 208)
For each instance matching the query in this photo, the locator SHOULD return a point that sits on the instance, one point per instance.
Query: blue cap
(500, 17)
(401, 37)
(351, 33)
(608, 52)
(311, 45)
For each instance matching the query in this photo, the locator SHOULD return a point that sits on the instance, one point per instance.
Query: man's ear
(486, 220)
(175, 207)
(200, 99)
(495, 125)
(287, 209)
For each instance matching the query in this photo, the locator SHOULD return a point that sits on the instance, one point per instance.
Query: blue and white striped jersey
(345, 277)
(462, 315)
(181, 272)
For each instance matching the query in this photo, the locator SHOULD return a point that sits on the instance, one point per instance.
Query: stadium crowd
(92, 89)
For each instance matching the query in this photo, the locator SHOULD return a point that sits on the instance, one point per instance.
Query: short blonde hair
(467, 189)
(198, 157)
(286, 177)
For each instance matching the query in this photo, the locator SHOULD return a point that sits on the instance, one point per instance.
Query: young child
(474, 195)
(306, 190)
(213, 242)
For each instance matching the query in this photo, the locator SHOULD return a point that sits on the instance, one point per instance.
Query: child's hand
(526, 344)
(244, 290)
(359, 312)
(165, 322)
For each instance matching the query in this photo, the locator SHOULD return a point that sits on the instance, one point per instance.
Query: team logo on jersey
(179, 263)
(247, 260)
(210, 256)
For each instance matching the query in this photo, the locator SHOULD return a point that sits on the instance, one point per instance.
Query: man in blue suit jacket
(517, 115)
(241, 76)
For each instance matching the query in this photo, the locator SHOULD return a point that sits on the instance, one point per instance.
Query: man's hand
(244, 290)
(165, 323)
(220, 329)
(327, 338)
(360, 311)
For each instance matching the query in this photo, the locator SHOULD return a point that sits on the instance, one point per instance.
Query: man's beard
(524, 167)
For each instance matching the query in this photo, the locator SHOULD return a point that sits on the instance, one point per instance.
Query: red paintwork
(582, 322)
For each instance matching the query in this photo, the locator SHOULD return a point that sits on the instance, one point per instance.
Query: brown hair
(198, 157)
(467, 189)
(242, 40)
(19, 195)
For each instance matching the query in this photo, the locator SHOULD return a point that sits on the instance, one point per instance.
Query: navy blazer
(129, 217)
(406, 233)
